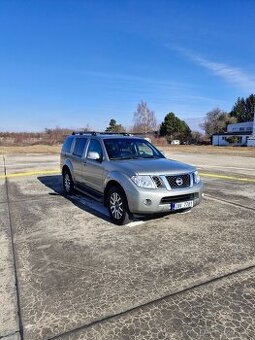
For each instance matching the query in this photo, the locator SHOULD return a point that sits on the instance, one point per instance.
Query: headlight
(197, 178)
(144, 182)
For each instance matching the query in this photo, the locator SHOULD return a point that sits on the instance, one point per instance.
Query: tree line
(172, 127)
(144, 122)
(216, 120)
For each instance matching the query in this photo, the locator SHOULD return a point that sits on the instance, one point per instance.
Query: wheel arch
(110, 184)
(67, 166)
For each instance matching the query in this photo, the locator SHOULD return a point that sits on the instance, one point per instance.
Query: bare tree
(196, 137)
(216, 121)
(144, 119)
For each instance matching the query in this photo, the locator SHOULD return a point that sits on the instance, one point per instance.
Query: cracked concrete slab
(30, 162)
(26, 188)
(3, 195)
(1, 164)
(76, 268)
(214, 163)
(8, 299)
(218, 310)
(15, 336)
(234, 191)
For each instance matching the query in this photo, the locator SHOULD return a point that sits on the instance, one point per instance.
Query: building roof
(236, 133)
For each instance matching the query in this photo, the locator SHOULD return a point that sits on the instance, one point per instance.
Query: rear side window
(79, 147)
(67, 145)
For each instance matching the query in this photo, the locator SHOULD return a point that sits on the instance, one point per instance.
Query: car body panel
(95, 176)
(152, 166)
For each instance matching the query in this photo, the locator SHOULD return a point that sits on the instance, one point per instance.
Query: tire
(68, 184)
(117, 206)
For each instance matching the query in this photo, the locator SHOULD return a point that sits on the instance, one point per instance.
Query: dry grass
(202, 149)
(209, 149)
(50, 149)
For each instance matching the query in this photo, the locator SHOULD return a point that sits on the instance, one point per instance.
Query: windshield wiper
(135, 157)
(125, 157)
(146, 157)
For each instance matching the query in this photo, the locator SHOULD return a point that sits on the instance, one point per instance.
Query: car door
(77, 157)
(93, 170)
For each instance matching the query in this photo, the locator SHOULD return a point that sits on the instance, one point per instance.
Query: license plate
(181, 205)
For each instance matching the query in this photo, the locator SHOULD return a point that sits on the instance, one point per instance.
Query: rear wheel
(68, 182)
(117, 206)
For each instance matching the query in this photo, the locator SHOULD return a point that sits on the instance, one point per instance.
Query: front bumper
(160, 199)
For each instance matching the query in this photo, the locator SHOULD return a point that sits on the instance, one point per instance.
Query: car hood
(162, 166)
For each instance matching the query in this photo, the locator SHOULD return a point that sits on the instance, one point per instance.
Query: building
(251, 141)
(242, 134)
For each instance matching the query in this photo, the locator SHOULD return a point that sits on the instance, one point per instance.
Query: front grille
(157, 181)
(179, 181)
(176, 199)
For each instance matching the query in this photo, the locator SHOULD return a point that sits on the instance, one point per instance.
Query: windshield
(131, 148)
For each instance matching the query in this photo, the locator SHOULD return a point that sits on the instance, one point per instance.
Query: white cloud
(137, 79)
(233, 75)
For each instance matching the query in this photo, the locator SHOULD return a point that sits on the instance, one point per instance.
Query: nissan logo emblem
(179, 181)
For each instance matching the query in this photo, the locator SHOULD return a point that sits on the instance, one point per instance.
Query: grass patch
(192, 149)
(50, 149)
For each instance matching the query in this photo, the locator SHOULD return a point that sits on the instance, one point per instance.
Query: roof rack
(94, 133)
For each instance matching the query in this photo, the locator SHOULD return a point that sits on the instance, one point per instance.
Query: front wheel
(68, 182)
(117, 206)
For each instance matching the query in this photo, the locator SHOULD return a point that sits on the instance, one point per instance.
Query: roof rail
(114, 133)
(94, 133)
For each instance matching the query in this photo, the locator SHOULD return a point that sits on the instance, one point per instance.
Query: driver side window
(144, 150)
(94, 146)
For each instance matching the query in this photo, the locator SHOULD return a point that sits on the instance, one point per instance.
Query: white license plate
(182, 205)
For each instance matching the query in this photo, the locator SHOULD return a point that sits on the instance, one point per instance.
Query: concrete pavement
(182, 276)
(9, 322)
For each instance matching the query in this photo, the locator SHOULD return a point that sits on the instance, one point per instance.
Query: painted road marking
(100, 208)
(223, 167)
(134, 224)
(17, 165)
(52, 172)
(201, 166)
(242, 179)
(31, 173)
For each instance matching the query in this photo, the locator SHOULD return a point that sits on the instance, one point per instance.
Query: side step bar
(90, 193)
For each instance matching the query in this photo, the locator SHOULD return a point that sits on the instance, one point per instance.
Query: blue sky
(72, 63)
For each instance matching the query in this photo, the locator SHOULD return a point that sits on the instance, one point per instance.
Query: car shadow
(81, 201)
(87, 203)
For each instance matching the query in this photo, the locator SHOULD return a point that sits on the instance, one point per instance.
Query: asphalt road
(68, 273)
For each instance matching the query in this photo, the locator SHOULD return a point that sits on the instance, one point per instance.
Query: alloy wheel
(67, 182)
(116, 206)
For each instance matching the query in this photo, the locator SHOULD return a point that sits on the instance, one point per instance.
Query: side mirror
(93, 155)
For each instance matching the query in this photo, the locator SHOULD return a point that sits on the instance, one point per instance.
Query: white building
(237, 134)
(251, 141)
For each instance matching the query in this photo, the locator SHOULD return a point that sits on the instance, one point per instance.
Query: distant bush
(232, 139)
(159, 141)
(48, 137)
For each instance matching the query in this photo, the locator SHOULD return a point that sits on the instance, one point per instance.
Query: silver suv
(128, 174)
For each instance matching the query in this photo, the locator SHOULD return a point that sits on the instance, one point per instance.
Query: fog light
(147, 202)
